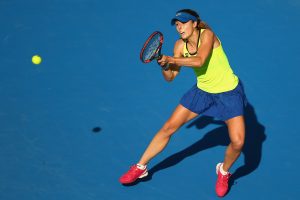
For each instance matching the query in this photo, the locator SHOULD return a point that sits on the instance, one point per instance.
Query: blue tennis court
(71, 126)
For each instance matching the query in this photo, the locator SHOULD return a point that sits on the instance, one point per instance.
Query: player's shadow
(255, 136)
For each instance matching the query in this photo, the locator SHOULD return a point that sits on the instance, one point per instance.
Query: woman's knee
(169, 128)
(236, 128)
(238, 143)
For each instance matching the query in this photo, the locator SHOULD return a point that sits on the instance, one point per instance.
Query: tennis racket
(152, 47)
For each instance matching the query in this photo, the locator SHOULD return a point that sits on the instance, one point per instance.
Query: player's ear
(195, 24)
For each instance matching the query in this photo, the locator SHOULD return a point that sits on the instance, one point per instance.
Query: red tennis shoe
(222, 182)
(133, 174)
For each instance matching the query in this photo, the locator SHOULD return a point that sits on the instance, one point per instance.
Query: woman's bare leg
(180, 116)
(236, 129)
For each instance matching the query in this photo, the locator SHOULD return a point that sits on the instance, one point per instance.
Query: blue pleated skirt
(223, 106)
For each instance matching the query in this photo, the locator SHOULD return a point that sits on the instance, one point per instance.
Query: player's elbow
(198, 62)
(169, 79)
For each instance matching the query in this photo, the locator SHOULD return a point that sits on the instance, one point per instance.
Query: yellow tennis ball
(36, 59)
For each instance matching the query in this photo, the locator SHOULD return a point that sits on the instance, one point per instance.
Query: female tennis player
(218, 93)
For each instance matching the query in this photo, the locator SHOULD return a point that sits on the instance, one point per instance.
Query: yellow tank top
(215, 75)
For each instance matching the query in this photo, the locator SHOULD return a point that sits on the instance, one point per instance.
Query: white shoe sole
(144, 174)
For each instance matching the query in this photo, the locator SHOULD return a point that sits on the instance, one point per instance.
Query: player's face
(185, 30)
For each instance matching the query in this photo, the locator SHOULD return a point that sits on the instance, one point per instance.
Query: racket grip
(159, 57)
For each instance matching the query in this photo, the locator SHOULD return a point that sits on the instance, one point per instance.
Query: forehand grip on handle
(159, 57)
(166, 66)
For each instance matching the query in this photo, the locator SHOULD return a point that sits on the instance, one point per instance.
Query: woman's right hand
(163, 61)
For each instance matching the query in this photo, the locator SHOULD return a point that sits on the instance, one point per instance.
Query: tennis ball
(36, 59)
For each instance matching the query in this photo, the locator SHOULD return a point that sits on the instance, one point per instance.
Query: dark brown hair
(200, 24)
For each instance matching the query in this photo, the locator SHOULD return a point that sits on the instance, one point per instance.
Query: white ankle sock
(222, 170)
(140, 166)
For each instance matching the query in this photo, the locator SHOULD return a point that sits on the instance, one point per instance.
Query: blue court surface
(71, 126)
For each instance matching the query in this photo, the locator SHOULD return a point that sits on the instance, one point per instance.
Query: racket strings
(151, 47)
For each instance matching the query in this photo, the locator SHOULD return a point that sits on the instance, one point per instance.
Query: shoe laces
(223, 179)
(134, 169)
